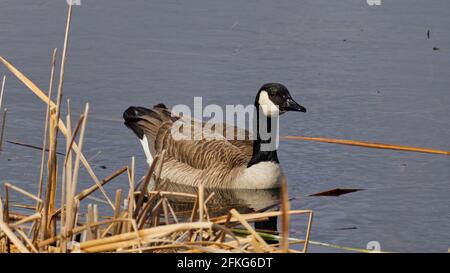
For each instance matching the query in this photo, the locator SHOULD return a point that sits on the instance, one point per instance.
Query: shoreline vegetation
(138, 220)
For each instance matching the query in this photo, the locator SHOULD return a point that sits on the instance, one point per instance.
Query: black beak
(292, 105)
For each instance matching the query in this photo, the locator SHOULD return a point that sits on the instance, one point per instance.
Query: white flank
(144, 143)
(263, 175)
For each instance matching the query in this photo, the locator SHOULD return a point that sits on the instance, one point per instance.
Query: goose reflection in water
(223, 200)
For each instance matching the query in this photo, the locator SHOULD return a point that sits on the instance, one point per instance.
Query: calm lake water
(363, 73)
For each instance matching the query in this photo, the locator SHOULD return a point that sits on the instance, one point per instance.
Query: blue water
(363, 73)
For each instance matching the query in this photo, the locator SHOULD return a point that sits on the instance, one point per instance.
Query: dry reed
(147, 223)
(370, 144)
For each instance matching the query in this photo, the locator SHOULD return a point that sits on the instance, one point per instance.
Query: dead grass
(148, 222)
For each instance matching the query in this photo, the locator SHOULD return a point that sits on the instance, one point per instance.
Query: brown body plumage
(212, 157)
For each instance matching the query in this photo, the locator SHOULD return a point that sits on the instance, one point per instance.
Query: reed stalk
(131, 199)
(27, 240)
(308, 232)
(174, 215)
(23, 192)
(1, 208)
(284, 216)
(370, 144)
(44, 146)
(2, 89)
(117, 210)
(50, 205)
(86, 192)
(147, 179)
(66, 180)
(255, 216)
(11, 236)
(74, 182)
(255, 235)
(38, 92)
(2, 132)
(44, 138)
(30, 218)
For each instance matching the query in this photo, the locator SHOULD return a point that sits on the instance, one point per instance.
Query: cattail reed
(148, 222)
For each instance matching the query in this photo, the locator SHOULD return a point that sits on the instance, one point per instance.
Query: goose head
(274, 99)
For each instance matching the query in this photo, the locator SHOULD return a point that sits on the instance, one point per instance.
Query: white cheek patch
(268, 107)
(148, 155)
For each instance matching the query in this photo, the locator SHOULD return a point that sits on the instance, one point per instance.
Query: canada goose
(216, 163)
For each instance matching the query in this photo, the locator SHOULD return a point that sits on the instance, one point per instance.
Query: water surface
(363, 73)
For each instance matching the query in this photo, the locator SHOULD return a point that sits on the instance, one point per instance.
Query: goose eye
(271, 94)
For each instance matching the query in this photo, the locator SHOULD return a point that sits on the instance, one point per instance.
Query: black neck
(258, 155)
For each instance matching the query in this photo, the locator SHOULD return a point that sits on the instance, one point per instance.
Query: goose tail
(145, 124)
